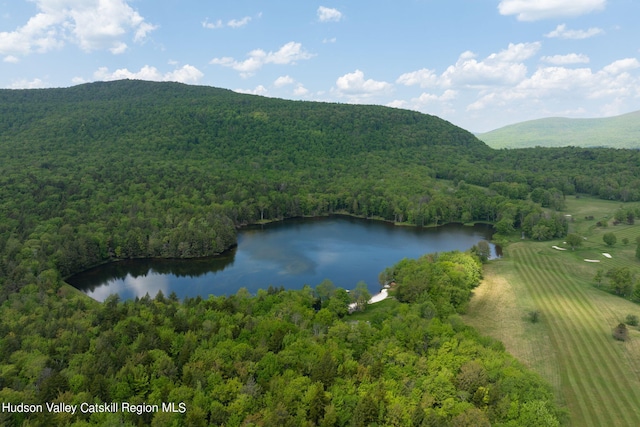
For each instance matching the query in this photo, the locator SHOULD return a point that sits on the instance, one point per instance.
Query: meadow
(571, 344)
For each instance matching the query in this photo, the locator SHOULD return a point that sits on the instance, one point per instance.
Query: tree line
(129, 169)
(286, 358)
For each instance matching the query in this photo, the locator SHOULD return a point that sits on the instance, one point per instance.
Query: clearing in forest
(571, 344)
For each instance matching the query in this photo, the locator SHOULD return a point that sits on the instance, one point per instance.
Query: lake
(290, 253)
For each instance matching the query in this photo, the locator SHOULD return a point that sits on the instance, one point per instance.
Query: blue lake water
(291, 254)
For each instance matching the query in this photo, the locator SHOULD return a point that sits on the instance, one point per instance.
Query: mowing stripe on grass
(598, 384)
(551, 302)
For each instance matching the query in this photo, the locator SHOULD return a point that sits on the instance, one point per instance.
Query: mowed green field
(596, 377)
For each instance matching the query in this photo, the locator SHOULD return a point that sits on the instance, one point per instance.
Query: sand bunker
(559, 248)
(592, 260)
(607, 255)
(383, 294)
(379, 297)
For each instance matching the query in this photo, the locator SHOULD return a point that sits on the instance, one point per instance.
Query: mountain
(135, 169)
(613, 132)
(152, 116)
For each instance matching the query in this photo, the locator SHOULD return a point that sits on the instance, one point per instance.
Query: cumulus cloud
(622, 66)
(534, 10)
(289, 53)
(562, 32)
(326, 14)
(551, 83)
(571, 58)
(356, 86)
(300, 90)
(185, 74)
(259, 90)
(504, 67)
(28, 84)
(212, 25)
(423, 78)
(232, 23)
(11, 59)
(426, 98)
(90, 24)
(238, 23)
(441, 104)
(517, 82)
(283, 81)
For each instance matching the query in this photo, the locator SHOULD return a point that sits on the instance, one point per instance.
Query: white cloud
(238, 23)
(212, 25)
(502, 68)
(448, 95)
(11, 59)
(423, 78)
(425, 99)
(259, 90)
(283, 81)
(90, 24)
(331, 40)
(515, 52)
(326, 14)
(533, 10)
(399, 103)
(562, 32)
(300, 90)
(287, 54)
(185, 74)
(621, 66)
(232, 23)
(118, 48)
(26, 84)
(553, 83)
(571, 58)
(355, 85)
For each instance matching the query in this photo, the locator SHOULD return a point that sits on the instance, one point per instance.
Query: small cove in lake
(289, 253)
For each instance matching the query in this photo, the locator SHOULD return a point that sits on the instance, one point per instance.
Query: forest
(131, 169)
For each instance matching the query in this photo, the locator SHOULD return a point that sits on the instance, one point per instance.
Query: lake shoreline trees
(134, 169)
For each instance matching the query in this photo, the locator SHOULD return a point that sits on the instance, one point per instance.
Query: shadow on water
(290, 253)
(88, 281)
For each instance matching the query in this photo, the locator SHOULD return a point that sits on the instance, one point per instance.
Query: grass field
(596, 377)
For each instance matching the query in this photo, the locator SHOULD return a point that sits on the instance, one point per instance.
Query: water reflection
(290, 254)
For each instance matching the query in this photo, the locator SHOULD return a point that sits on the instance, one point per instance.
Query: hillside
(130, 169)
(150, 116)
(613, 132)
(134, 169)
(140, 169)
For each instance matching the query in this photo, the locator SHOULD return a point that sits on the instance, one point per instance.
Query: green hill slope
(141, 169)
(149, 116)
(614, 132)
(133, 169)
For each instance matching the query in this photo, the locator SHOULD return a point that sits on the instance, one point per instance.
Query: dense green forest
(134, 169)
(140, 169)
(280, 358)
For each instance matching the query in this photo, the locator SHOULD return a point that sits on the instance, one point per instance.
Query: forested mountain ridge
(141, 169)
(131, 169)
(182, 117)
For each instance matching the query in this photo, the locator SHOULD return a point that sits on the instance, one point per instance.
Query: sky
(480, 64)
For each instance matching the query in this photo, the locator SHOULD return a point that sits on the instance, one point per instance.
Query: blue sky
(481, 64)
